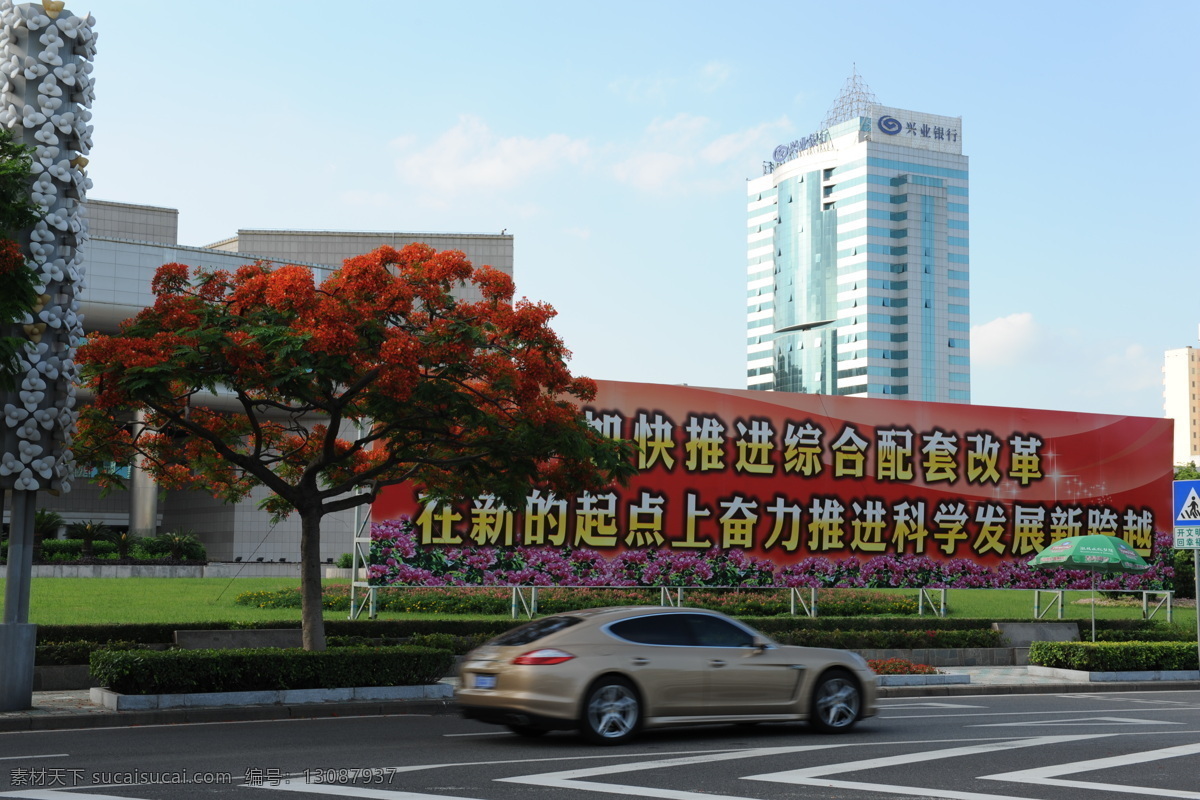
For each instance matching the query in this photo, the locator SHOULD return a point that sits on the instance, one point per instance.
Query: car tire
(528, 731)
(836, 702)
(612, 712)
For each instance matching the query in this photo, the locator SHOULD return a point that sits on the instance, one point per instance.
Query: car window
(663, 629)
(716, 632)
(532, 631)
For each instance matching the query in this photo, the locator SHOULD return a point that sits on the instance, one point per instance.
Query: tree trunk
(312, 619)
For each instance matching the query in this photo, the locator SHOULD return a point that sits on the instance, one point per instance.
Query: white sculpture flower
(49, 368)
(46, 154)
(50, 56)
(49, 105)
(33, 382)
(50, 87)
(32, 117)
(28, 451)
(43, 467)
(51, 39)
(41, 252)
(10, 464)
(66, 74)
(41, 233)
(69, 25)
(62, 171)
(31, 400)
(65, 122)
(46, 134)
(28, 430)
(26, 483)
(34, 69)
(9, 116)
(52, 272)
(35, 21)
(14, 415)
(36, 352)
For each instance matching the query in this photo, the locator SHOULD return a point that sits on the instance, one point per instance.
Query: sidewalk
(74, 709)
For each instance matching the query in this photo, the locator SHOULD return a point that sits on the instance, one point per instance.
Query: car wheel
(528, 731)
(612, 712)
(836, 702)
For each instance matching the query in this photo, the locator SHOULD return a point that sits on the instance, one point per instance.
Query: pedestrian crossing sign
(1186, 505)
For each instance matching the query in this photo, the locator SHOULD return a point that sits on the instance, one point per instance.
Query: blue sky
(614, 141)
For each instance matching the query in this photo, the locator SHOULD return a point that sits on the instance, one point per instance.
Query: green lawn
(112, 600)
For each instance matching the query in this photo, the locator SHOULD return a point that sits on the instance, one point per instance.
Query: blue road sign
(1185, 505)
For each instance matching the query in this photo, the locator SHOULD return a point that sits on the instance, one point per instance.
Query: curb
(256, 713)
(943, 679)
(1034, 688)
(115, 701)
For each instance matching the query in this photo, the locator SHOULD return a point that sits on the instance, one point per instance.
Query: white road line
(342, 790)
(929, 705)
(572, 779)
(815, 776)
(1048, 776)
(1081, 721)
(61, 794)
(1042, 714)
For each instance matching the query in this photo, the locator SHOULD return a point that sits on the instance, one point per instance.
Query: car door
(742, 677)
(658, 651)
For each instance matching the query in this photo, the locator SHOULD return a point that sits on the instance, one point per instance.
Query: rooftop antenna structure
(855, 100)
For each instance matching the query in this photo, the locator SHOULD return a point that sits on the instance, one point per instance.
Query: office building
(1181, 370)
(858, 272)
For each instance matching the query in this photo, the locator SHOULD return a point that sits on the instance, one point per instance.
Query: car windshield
(532, 631)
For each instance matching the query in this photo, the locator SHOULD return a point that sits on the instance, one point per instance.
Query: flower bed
(900, 666)
(396, 559)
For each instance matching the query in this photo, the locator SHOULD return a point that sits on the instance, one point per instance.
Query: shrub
(345, 561)
(1114, 656)
(1185, 573)
(88, 533)
(266, 669)
(177, 545)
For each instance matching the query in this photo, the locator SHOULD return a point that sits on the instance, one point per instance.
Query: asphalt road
(1103, 746)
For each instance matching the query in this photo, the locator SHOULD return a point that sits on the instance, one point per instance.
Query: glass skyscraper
(858, 270)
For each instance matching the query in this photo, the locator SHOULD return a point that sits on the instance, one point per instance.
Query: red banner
(784, 477)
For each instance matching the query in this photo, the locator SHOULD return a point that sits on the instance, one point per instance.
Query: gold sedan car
(610, 672)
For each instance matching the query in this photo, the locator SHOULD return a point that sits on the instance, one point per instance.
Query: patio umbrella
(1095, 553)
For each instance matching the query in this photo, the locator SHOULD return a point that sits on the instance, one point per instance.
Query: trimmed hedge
(1115, 656)
(266, 669)
(56, 654)
(775, 627)
(891, 640)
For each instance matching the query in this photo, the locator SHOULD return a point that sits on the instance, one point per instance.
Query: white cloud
(735, 145)
(640, 90)
(652, 171)
(1005, 341)
(714, 75)
(678, 151)
(470, 157)
(1017, 361)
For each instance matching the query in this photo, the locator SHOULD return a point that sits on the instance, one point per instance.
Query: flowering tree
(18, 283)
(379, 375)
